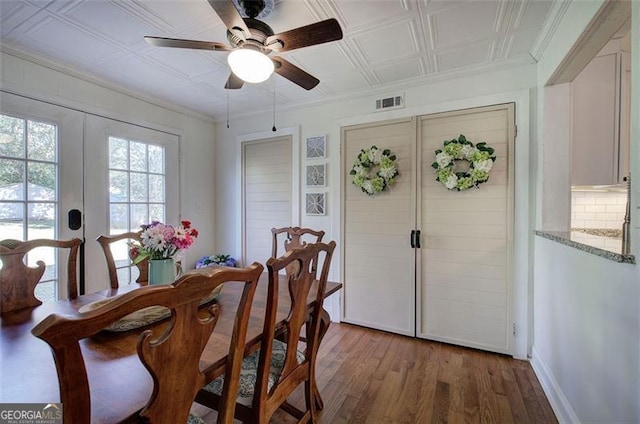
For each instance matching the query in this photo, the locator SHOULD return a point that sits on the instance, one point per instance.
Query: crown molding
(407, 85)
(58, 67)
(551, 24)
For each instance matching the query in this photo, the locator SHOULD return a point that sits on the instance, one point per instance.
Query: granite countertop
(602, 232)
(567, 238)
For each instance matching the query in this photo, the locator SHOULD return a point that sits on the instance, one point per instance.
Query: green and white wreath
(374, 170)
(480, 160)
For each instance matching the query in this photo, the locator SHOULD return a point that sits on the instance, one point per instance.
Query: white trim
(559, 402)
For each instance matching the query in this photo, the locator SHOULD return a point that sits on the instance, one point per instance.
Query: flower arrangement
(380, 163)
(162, 241)
(224, 260)
(480, 158)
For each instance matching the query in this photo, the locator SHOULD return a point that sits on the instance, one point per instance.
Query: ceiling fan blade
(233, 82)
(230, 15)
(294, 74)
(309, 35)
(186, 44)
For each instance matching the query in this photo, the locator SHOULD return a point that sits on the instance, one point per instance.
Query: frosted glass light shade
(250, 65)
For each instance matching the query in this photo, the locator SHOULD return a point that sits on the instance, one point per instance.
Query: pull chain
(227, 108)
(274, 129)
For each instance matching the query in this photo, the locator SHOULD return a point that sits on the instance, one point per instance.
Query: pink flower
(160, 241)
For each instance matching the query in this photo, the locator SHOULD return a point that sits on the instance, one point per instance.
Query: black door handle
(417, 241)
(413, 239)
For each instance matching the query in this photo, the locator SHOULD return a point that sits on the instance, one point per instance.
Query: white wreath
(480, 158)
(374, 170)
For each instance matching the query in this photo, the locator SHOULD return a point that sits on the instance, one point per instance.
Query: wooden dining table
(119, 383)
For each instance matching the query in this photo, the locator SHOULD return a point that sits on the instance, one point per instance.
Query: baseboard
(559, 402)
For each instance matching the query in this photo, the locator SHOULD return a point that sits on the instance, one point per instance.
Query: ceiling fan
(252, 41)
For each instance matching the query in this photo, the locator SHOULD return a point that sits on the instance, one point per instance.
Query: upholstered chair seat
(249, 373)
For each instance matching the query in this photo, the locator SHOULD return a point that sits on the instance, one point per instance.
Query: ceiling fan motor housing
(252, 8)
(259, 33)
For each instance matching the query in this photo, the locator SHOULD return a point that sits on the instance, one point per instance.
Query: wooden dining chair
(170, 353)
(18, 281)
(272, 373)
(292, 237)
(107, 241)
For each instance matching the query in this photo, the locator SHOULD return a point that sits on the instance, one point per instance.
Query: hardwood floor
(368, 376)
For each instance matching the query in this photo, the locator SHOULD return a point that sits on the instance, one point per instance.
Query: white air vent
(390, 103)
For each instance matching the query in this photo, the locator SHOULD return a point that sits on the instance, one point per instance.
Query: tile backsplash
(598, 209)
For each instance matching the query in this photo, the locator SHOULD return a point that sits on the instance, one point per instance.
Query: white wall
(586, 339)
(44, 82)
(477, 90)
(586, 334)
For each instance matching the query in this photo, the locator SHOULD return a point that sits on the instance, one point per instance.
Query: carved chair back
(106, 243)
(311, 263)
(18, 281)
(292, 237)
(170, 353)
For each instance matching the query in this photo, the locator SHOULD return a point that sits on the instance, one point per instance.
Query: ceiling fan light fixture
(250, 65)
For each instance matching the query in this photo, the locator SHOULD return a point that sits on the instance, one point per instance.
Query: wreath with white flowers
(374, 170)
(480, 158)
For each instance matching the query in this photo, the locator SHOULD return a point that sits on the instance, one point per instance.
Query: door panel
(378, 270)
(121, 186)
(464, 276)
(267, 183)
(36, 203)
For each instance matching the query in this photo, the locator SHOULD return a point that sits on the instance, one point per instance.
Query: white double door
(457, 286)
(81, 180)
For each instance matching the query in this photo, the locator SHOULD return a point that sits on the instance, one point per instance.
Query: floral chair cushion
(249, 373)
(194, 419)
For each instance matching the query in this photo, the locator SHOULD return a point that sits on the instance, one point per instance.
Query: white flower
(368, 186)
(387, 173)
(483, 165)
(358, 168)
(375, 155)
(467, 150)
(443, 159)
(451, 182)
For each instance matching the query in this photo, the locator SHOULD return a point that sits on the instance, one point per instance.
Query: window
(29, 190)
(136, 193)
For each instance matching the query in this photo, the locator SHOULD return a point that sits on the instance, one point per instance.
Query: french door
(456, 285)
(54, 160)
(41, 165)
(131, 178)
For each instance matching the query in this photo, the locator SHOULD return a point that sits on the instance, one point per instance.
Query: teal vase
(162, 271)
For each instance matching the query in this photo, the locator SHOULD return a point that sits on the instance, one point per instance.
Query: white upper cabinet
(600, 104)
